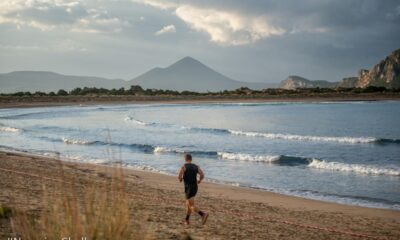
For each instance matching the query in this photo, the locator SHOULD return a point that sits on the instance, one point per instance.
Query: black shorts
(190, 190)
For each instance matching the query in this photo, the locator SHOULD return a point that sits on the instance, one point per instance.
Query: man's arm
(180, 175)
(201, 173)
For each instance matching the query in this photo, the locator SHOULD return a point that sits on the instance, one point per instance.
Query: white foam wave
(9, 129)
(166, 150)
(130, 119)
(356, 168)
(147, 168)
(248, 157)
(352, 140)
(82, 159)
(76, 141)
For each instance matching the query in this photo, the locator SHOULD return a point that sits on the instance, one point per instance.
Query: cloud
(223, 27)
(99, 22)
(47, 15)
(166, 29)
(227, 28)
(158, 3)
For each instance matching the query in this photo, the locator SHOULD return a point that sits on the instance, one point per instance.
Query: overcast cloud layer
(255, 40)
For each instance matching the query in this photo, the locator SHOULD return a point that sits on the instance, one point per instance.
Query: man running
(188, 174)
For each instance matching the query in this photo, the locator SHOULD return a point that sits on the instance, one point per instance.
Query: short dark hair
(188, 157)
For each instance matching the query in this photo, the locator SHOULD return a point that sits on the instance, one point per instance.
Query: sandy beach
(156, 201)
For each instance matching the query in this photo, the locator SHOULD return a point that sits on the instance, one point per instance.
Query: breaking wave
(249, 157)
(273, 136)
(166, 150)
(9, 129)
(76, 141)
(181, 151)
(139, 147)
(312, 163)
(352, 140)
(274, 159)
(355, 168)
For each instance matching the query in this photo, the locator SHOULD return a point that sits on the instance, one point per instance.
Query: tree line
(136, 90)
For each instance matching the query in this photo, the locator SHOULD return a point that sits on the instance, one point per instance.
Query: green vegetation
(5, 212)
(139, 91)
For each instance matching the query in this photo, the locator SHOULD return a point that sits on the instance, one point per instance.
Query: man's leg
(193, 208)
(190, 202)
(188, 211)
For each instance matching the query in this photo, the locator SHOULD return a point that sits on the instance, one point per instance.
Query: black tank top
(190, 174)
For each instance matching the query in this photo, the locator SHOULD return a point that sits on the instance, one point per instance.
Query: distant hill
(384, 74)
(348, 82)
(293, 82)
(190, 74)
(49, 81)
(186, 74)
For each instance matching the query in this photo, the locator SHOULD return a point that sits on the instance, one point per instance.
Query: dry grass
(78, 210)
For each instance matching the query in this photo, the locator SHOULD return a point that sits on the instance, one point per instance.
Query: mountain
(293, 82)
(192, 75)
(348, 82)
(385, 74)
(49, 81)
(186, 74)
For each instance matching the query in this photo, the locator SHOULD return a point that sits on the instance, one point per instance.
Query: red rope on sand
(271, 220)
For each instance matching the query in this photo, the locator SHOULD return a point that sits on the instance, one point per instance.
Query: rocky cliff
(293, 82)
(384, 74)
(349, 82)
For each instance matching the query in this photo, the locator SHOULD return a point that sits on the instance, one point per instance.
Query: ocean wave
(131, 119)
(76, 141)
(166, 150)
(147, 168)
(352, 140)
(282, 160)
(387, 140)
(355, 168)
(146, 148)
(159, 150)
(273, 136)
(207, 130)
(249, 157)
(9, 129)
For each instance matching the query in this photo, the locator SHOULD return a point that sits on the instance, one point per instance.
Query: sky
(252, 40)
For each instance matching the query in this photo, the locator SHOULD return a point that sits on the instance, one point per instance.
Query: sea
(343, 152)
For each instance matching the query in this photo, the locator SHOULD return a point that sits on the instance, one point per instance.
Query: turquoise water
(346, 152)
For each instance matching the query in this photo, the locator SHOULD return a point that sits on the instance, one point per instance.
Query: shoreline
(239, 193)
(209, 181)
(14, 102)
(157, 204)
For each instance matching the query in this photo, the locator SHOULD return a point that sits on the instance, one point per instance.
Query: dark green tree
(62, 92)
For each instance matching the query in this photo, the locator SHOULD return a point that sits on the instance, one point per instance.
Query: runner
(188, 174)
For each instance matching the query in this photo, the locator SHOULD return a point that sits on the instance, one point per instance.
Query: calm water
(341, 152)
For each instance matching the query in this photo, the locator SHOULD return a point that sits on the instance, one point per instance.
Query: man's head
(188, 157)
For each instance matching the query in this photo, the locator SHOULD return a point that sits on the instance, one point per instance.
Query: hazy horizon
(255, 41)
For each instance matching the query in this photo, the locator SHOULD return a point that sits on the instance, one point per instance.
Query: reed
(82, 210)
